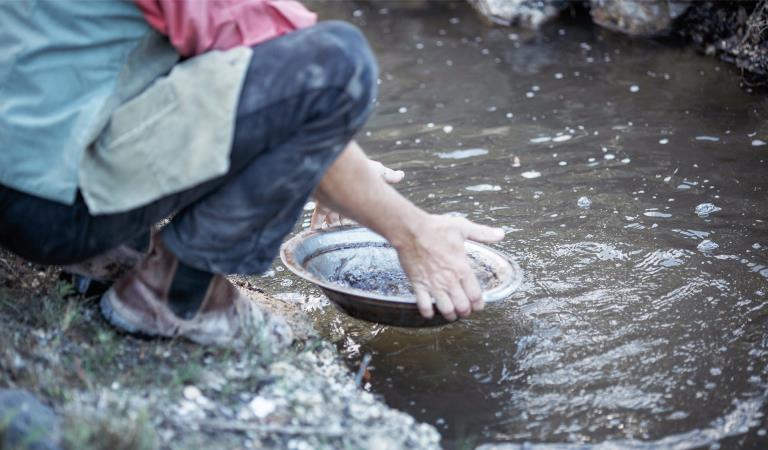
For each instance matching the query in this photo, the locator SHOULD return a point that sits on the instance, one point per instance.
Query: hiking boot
(163, 297)
(95, 275)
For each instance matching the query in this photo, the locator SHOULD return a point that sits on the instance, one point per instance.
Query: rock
(734, 31)
(526, 13)
(637, 17)
(26, 423)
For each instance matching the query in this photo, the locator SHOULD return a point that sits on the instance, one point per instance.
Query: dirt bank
(116, 391)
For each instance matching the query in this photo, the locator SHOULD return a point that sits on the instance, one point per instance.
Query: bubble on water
(483, 188)
(430, 125)
(531, 174)
(715, 371)
(634, 88)
(758, 143)
(535, 88)
(402, 110)
(447, 128)
(584, 202)
(678, 415)
(357, 13)
(656, 214)
(461, 154)
(516, 162)
(609, 156)
(540, 140)
(663, 141)
(756, 246)
(683, 186)
(558, 76)
(562, 163)
(529, 94)
(510, 115)
(705, 209)
(309, 206)
(419, 46)
(707, 246)
(563, 138)
(707, 138)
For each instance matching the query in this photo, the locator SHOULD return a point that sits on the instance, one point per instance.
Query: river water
(631, 178)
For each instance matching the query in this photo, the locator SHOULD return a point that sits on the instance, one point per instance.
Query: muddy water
(631, 178)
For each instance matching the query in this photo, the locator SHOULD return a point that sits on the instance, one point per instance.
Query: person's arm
(430, 247)
(324, 216)
(198, 26)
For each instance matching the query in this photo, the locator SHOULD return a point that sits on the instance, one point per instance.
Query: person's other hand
(323, 216)
(437, 265)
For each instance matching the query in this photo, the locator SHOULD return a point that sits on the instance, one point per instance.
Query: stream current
(630, 176)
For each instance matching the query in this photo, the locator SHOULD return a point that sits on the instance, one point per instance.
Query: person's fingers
(333, 219)
(445, 305)
(318, 217)
(459, 299)
(472, 290)
(393, 176)
(389, 175)
(424, 302)
(482, 233)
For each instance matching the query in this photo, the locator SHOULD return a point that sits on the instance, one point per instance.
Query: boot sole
(112, 316)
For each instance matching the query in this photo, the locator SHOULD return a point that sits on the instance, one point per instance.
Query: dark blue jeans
(305, 95)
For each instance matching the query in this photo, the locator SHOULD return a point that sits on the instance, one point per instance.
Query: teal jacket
(64, 68)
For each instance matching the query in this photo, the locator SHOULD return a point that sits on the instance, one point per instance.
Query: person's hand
(437, 265)
(323, 216)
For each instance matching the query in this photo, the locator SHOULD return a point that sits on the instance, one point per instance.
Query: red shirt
(198, 26)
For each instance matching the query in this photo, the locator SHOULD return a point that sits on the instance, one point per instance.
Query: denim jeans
(304, 97)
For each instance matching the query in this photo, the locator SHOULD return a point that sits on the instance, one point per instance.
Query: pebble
(192, 393)
(261, 407)
(584, 202)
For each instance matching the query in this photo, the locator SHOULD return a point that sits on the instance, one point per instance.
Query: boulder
(637, 17)
(526, 13)
(25, 423)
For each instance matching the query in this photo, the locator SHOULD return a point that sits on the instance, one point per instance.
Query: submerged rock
(525, 13)
(637, 17)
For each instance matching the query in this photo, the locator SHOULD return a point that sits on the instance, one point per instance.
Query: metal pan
(359, 271)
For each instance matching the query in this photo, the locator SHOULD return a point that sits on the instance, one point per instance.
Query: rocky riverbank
(734, 31)
(107, 390)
